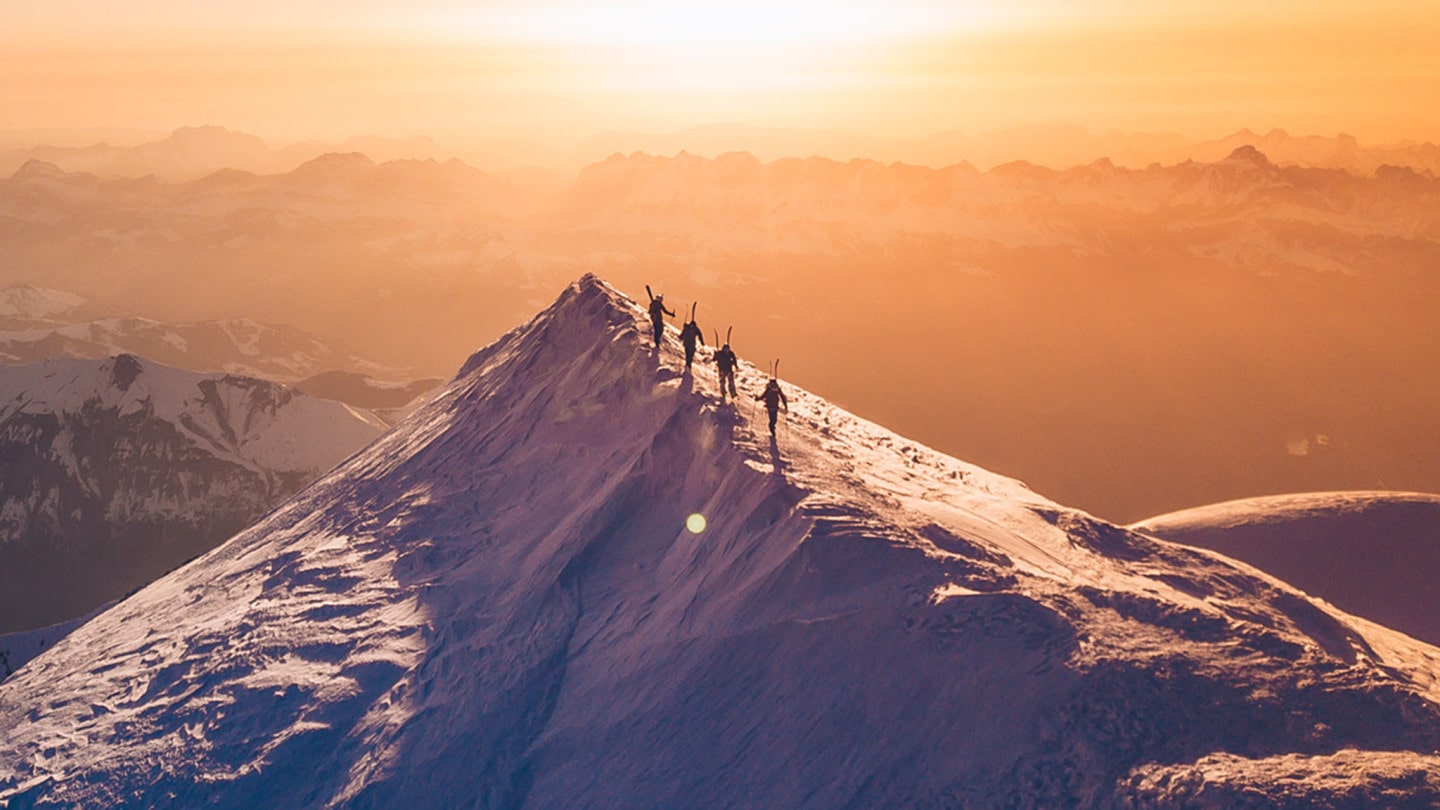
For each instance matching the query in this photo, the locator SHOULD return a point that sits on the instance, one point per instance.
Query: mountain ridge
(239, 346)
(192, 152)
(498, 603)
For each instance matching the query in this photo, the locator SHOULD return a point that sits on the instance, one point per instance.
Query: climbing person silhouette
(725, 363)
(689, 335)
(775, 401)
(657, 314)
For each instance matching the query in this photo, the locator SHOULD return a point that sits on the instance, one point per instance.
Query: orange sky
(558, 72)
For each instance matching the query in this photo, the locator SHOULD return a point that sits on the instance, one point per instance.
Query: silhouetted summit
(1248, 154)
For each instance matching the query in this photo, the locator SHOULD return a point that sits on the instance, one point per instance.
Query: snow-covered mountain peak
(590, 353)
(30, 303)
(576, 578)
(248, 421)
(117, 470)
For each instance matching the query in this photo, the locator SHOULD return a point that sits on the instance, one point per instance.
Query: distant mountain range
(23, 306)
(118, 470)
(1057, 146)
(192, 152)
(1243, 209)
(367, 392)
(37, 324)
(450, 215)
(337, 243)
(189, 153)
(1233, 297)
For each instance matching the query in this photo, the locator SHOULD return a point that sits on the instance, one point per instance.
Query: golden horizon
(560, 71)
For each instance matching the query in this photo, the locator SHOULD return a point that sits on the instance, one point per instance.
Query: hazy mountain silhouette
(192, 152)
(1057, 146)
(1239, 303)
(389, 400)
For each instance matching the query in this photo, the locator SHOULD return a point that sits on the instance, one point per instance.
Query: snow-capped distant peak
(246, 420)
(36, 303)
(118, 470)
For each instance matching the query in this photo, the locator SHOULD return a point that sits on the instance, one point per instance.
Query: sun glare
(749, 47)
(738, 23)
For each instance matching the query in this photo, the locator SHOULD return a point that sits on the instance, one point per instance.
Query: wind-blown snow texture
(497, 605)
(17, 648)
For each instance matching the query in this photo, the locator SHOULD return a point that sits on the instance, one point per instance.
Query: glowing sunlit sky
(559, 71)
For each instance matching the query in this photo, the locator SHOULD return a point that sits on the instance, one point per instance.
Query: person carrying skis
(775, 401)
(689, 335)
(657, 315)
(725, 363)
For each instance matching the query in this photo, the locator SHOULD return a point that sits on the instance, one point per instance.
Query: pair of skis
(652, 300)
(774, 375)
(774, 364)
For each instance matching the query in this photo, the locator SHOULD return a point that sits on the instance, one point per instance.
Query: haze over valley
(1130, 340)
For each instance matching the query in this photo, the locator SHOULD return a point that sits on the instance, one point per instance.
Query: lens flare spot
(695, 523)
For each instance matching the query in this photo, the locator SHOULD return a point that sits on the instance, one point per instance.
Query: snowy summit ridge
(497, 604)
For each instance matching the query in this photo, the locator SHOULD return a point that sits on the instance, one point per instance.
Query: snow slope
(118, 470)
(497, 604)
(17, 648)
(1375, 554)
